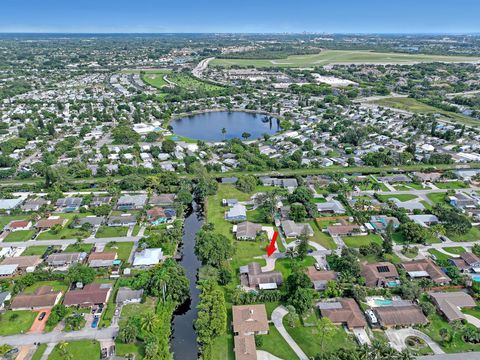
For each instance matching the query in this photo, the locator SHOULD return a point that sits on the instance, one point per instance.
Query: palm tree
(149, 321)
(63, 350)
(224, 131)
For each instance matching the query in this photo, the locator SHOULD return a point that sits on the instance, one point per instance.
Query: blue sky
(340, 16)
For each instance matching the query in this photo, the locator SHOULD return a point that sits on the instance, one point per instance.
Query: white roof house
(8, 270)
(9, 204)
(148, 257)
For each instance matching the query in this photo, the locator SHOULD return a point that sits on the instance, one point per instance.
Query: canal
(184, 338)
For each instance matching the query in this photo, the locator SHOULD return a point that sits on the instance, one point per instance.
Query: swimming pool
(383, 302)
(476, 278)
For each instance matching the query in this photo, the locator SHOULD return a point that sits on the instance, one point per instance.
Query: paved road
(56, 337)
(459, 356)
(277, 318)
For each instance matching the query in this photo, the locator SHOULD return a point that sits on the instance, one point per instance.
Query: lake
(208, 126)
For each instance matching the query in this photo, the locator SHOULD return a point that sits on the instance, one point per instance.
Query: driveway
(397, 339)
(473, 320)
(39, 325)
(277, 318)
(361, 336)
(263, 355)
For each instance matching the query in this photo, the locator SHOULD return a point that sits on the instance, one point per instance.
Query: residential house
(132, 202)
(425, 268)
(379, 223)
(237, 212)
(252, 276)
(10, 204)
(125, 295)
(382, 274)
(290, 183)
(42, 298)
(100, 200)
(345, 229)
(162, 200)
(462, 201)
(18, 225)
(147, 258)
(89, 295)
(65, 259)
(24, 263)
(121, 220)
(245, 347)
(247, 230)
(103, 259)
(405, 315)
(7, 271)
(450, 304)
(344, 311)
(94, 221)
(331, 207)
(320, 279)
(291, 229)
(46, 224)
(424, 220)
(69, 204)
(409, 205)
(249, 319)
(158, 215)
(34, 204)
(393, 179)
(467, 262)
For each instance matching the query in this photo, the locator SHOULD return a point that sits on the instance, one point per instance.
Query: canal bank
(184, 339)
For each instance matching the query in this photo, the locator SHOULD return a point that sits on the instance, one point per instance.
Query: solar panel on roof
(383, 269)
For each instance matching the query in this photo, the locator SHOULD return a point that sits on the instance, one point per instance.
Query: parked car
(318, 267)
(42, 316)
(95, 321)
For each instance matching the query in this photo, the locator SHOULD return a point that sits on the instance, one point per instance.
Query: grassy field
(56, 285)
(276, 345)
(437, 198)
(457, 250)
(79, 248)
(155, 78)
(20, 235)
(64, 233)
(320, 237)
(190, 83)
(78, 350)
(107, 231)
(16, 322)
(439, 255)
(415, 106)
(451, 185)
(357, 241)
(341, 57)
(122, 349)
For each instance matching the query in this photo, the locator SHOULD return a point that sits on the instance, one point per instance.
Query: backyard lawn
(20, 235)
(16, 322)
(78, 350)
(108, 231)
(357, 241)
(274, 343)
(320, 237)
(123, 350)
(56, 285)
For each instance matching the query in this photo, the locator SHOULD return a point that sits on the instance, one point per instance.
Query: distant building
(425, 268)
(147, 258)
(131, 202)
(43, 297)
(345, 311)
(382, 274)
(252, 276)
(237, 212)
(450, 304)
(407, 315)
(247, 230)
(291, 229)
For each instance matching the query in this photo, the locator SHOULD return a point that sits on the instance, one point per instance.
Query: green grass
(122, 349)
(39, 352)
(416, 106)
(107, 231)
(20, 235)
(16, 322)
(222, 348)
(123, 249)
(472, 235)
(35, 250)
(137, 309)
(188, 82)
(78, 350)
(308, 338)
(136, 230)
(155, 78)
(340, 57)
(473, 311)
(456, 345)
(457, 250)
(64, 233)
(320, 237)
(451, 185)
(56, 285)
(285, 266)
(439, 255)
(401, 197)
(437, 197)
(79, 247)
(357, 241)
(274, 343)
